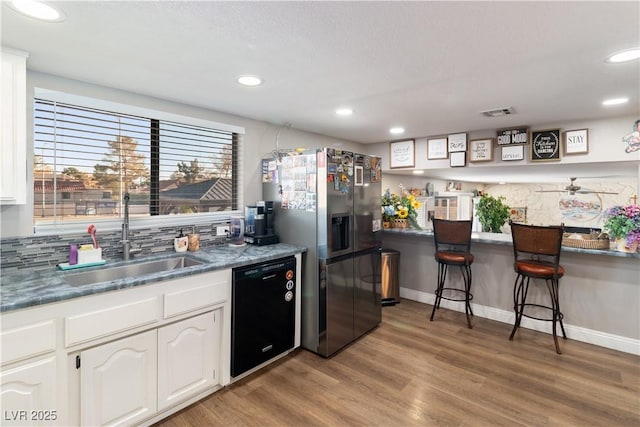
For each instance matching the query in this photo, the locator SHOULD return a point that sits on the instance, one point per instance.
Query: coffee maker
(259, 220)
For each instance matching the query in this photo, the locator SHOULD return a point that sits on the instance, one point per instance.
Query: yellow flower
(416, 204)
(403, 212)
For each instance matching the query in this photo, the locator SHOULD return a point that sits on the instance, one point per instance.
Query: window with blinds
(86, 159)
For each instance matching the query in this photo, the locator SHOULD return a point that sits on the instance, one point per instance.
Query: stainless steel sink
(131, 270)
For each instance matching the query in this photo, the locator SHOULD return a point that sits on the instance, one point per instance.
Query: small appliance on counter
(259, 222)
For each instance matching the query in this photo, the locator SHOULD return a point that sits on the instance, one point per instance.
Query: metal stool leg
(442, 275)
(520, 289)
(466, 277)
(552, 285)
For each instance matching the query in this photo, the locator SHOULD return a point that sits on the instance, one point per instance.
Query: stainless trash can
(390, 294)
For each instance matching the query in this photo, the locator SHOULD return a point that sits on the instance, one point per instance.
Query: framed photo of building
(437, 149)
(402, 154)
(545, 145)
(481, 150)
(576, 141)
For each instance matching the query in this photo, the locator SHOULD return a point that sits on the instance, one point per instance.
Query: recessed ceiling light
(624, 55)
(38, 10)
(344, 111)
(615, 101)
(418, 172)
(250, 80)
(396, 130)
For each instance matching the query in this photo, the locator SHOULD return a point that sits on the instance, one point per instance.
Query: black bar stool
(453, 245)
(536, 252)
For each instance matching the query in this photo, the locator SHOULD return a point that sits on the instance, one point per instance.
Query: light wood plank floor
(412, 372)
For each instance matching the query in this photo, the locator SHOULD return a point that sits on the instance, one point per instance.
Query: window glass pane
(86, 159)
(196, 169)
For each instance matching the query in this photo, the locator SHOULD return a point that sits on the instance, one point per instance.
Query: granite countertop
(505, 239)
(25, 288)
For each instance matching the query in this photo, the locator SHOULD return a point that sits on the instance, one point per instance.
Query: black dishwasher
(263, 313)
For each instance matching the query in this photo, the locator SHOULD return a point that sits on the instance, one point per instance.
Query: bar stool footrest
(438, 293)
(522, 306)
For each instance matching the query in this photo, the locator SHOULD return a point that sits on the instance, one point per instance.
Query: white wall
(258, 141)
(605, 145)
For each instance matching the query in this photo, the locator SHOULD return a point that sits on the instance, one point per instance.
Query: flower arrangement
(402, 206)
(623, 222)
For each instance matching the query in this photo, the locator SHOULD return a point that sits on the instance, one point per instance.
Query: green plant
(492, 213)
(400, 206)
(623, 222)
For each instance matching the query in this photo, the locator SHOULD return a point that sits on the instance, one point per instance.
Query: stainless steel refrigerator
(328, 200)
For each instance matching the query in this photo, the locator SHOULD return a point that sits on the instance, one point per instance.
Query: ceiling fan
(572, 188)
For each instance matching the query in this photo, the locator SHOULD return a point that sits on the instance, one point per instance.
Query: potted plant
(400, 210)
(623, 224)
(492, 213)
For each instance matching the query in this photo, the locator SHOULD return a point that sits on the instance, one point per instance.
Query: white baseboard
(602, 339)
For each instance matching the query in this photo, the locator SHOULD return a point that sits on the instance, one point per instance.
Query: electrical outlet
(222, 230)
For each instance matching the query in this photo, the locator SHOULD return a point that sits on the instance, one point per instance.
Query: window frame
(152, 221)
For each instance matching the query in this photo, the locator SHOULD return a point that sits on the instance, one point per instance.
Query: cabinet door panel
(118, 381)
(188, 354)
(28, 394)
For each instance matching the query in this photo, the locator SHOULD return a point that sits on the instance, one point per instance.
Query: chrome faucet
(126, 243)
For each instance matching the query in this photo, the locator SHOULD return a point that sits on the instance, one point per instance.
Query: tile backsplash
(42, 252)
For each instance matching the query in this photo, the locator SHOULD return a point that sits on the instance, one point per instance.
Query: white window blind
(86, 159)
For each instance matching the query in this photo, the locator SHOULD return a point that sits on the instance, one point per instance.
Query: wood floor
(412, 372)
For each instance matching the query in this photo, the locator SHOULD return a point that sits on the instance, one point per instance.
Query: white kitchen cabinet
(188, 357)
(453, 206)
(13, 125)
(119, 381)
(144, 353)
(28, 394)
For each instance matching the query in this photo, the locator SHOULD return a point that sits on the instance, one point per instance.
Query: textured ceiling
(430, 67)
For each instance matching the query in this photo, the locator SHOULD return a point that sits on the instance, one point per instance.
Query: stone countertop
(24, 288)
(505, 239)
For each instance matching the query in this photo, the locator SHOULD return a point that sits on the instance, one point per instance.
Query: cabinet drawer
(95, 324)
(186, 300)
(28, 341)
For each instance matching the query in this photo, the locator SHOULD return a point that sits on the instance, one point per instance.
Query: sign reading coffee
(545, 145)
(513, 136)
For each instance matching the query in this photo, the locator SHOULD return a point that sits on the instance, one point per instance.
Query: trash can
(390, 294)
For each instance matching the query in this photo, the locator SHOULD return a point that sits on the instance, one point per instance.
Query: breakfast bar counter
(599, 293)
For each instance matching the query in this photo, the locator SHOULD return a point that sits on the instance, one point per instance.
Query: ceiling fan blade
(594, 192)
(551, 191)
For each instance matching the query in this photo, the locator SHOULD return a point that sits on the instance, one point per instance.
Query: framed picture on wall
(512, 152)
(437, 148)
(402, 154)
(481, 150)
(457, 142)
(458, 159)
(545, 145)
(576, 141)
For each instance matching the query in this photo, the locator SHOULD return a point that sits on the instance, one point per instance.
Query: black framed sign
(513, 136)
(545, 145)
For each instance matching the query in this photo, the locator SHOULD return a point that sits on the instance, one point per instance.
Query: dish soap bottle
(181, 243)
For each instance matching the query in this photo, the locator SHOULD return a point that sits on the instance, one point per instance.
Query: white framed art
(437, 148)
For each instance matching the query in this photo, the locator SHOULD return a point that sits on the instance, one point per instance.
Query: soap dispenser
(181, 243)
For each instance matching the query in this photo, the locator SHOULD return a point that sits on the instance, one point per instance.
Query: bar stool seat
(541, 270)
(537, 256)
(453, 243)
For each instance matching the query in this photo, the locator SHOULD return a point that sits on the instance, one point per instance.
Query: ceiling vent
(498, 112)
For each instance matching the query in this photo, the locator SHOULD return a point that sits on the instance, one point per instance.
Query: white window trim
(50, 228)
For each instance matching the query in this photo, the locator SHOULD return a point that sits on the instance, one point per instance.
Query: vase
(386, 224)
(400, 223)
(621, 246)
